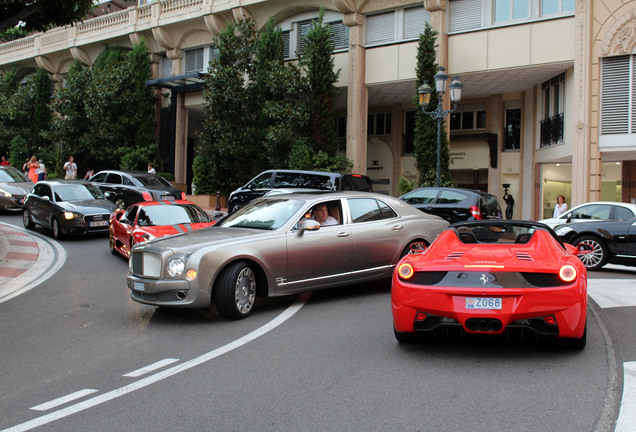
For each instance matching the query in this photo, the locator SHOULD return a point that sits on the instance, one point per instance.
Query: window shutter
(615, 95)
(464, 15)
(303, 29)
(415, 19)
(633, 82)
(339, 35)
(194, 60)
(380, 28)
(286, 44)
(214, 53)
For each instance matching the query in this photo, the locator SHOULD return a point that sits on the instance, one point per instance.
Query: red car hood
(168, 230)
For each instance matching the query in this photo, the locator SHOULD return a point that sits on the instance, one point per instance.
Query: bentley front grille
(146, 264)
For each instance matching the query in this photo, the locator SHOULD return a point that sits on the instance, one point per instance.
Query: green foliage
(425, 140)
(40, 15)
(203, 180)
(303, 157)
(18, 153)
(13, 34)
(405, 185)
(318, 63)
(167, 176)
(8, 86)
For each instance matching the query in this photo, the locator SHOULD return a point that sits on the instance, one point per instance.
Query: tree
(40, 15)
(318, 64)
(8, 86)
(281, 91)
(228, 137)
(425, 139)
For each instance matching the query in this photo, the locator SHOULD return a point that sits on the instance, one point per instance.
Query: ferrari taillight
(405, 270)
(474, 210)
(183, 196)
(146, 196)
(567, 273)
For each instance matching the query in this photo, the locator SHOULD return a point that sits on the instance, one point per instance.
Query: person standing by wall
(560, 207)
(71, 168)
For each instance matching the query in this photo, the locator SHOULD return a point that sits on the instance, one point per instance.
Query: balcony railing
(552, 130)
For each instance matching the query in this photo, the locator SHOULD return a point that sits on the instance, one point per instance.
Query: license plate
(483, 303)
(98, 224)
(139, 286)
(167, 197)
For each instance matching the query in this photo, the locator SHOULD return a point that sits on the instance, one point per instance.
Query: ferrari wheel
(406, 337)
(26, 219)
(121, 203)
(111, 244)
(236, 291)
(597, 257)
(576, 343)
(57, 229)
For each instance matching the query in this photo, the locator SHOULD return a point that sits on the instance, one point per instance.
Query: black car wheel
(595, 258)
(235, 208)
(121, 203)
(57, 229)
(236, 291)
(26, 219)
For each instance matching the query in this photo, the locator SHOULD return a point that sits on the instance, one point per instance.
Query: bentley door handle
(343, 234)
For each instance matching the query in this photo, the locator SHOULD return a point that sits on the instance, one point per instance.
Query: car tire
(406, 337)
(111, 244)
(575, 343)
(57, 229)
(235, 208)
(121, 203)
(26, 219)
(235, 292)
(597, 257)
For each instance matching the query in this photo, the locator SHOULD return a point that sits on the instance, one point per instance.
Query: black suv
(292, 179)
(125, 188)
(454, 204)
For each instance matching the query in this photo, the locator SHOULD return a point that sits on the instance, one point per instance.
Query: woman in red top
(32, 166)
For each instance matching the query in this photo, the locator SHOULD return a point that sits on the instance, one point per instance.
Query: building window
(552, 123)
(551, 7)
(465, 15)
(508, 10)
(408, 143)
(339, 34)
(379, 124)
(468, 118)
(512, 132)
(198, 59)
(396, 25)
(618, 95)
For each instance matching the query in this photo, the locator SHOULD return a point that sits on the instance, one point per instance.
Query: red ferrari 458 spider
(491, 277)
(151, 219)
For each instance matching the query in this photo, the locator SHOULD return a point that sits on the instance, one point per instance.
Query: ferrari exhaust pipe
(483, 324)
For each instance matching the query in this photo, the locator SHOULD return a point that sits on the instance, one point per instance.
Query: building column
(586, 158)
(181, 140)
(357, 96)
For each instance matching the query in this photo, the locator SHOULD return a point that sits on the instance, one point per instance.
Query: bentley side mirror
(308, 225)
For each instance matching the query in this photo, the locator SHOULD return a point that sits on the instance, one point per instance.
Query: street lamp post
(439, 114)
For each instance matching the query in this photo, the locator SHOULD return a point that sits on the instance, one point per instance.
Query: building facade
(548, 107)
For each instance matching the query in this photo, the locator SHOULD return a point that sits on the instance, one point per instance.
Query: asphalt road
(78, 355)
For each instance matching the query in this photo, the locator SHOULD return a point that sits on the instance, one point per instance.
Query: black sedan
(67, 207)
(125, 188)
(609, 241)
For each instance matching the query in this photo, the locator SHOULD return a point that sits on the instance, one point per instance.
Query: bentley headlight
(5, 193)
(176, 267)
(72, 215)
(561, 231)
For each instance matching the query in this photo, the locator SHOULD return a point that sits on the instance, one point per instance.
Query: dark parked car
(286, 179)
(608, 241)
(455, 204)
(14, 186)
(125, 188)
(67, 207)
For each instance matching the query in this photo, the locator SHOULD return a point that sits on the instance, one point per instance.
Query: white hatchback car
(594, 211)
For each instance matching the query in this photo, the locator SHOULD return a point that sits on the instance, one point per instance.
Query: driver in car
(321, 215)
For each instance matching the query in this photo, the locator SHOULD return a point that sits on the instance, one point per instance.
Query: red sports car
(151, 219)
(491, 277)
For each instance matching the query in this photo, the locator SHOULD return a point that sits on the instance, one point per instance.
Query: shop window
(512, 132)
(552, 123)
(408, 146)
(379, 124)
(469, 118)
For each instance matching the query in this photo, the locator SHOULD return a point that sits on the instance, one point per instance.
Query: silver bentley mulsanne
(276, 245)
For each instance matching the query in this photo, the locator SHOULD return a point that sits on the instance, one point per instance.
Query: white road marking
(144, 382)
(64, 399)
(627, 416)
(609, 293)
(151, 368)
